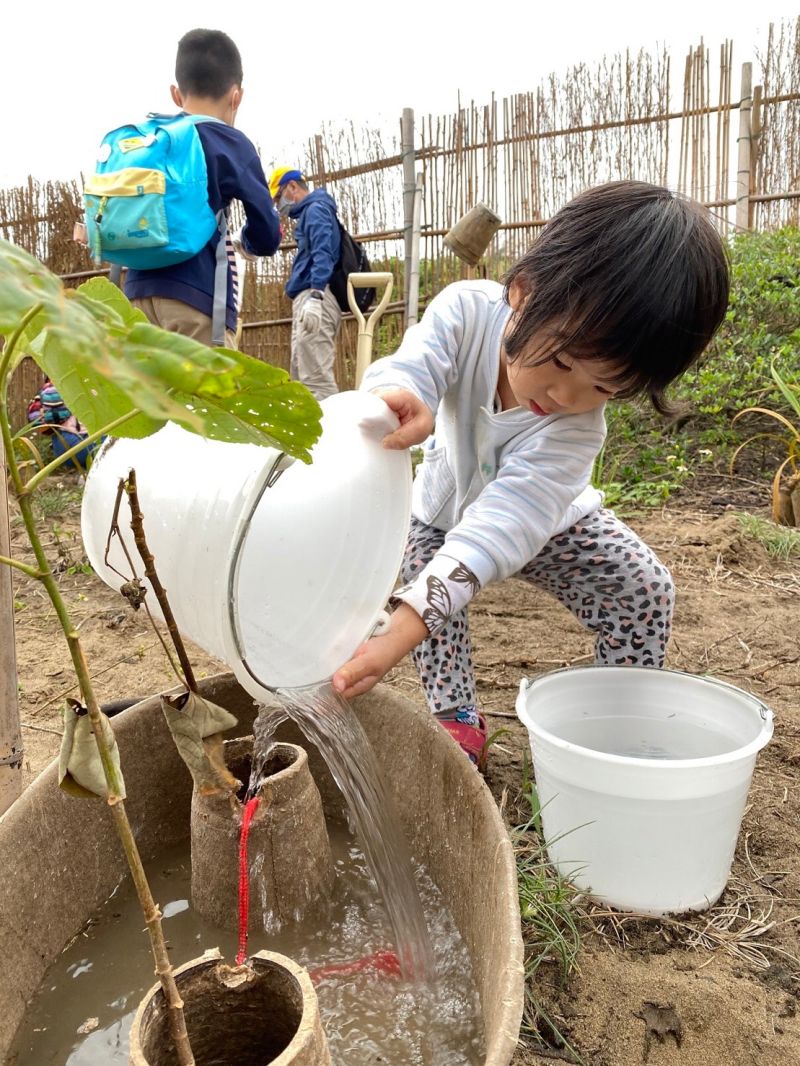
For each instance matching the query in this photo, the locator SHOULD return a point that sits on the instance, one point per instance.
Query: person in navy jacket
(316, 315)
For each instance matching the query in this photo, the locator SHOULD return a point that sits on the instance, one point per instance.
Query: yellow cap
(279, 177)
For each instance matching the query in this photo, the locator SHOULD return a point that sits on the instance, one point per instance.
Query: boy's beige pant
(179, 317)
(314, 354)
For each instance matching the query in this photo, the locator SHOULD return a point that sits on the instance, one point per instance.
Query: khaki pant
(178, 317)
(314, 354)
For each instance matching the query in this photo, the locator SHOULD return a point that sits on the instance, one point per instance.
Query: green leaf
(95, 389)
(220, 393)
(29, 341)
(183, 363)
(24, 283)
(790, 393)
(110, 364)
(266, 403)
(101, 291)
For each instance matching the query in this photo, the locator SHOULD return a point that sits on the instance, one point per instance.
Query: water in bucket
(642, 776)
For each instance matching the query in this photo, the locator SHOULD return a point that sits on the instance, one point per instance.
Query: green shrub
(646, 458)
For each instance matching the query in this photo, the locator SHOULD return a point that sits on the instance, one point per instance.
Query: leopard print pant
(611, 581)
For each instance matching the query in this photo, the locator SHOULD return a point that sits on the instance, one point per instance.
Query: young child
(208, 72)
(619, 295)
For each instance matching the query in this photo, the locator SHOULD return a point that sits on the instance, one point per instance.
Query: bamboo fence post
(10, 730)
(743, 202)
(409, 195)
(755, 138)
(412, 302)
(319, 156)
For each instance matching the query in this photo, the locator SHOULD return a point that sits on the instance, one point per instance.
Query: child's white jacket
(500, 483)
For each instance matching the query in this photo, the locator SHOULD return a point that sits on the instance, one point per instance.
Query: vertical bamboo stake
(684, 158)
(667, 96)
(412, 313)
(743, 202)
(755, 138)
(720, 100)
(409, 186)
(10, 734)
(319, 156)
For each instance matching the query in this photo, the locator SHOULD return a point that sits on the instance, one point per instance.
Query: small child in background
(507, 385)
(48, 412)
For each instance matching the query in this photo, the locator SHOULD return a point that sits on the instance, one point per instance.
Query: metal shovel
(366, 326)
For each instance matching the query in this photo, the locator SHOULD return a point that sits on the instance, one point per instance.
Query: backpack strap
(220, 307)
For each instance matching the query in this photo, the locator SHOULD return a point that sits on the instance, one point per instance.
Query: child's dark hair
(208, 64)
(629, 273)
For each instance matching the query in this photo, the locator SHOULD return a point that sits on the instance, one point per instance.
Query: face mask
(284, 206)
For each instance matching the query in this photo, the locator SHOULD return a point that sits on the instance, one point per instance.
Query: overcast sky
(69, 73)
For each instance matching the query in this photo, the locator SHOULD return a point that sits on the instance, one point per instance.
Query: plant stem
(137, 526)
(150, 910)
(31, 571)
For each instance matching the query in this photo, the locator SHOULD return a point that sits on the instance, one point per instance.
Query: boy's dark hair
(208, 64)
(627, 272)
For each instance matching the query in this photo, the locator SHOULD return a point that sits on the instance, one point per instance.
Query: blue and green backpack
(146, 206)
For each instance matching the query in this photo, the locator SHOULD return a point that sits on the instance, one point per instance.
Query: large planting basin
(60, 857)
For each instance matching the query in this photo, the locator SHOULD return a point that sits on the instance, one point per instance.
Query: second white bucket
(642, 776)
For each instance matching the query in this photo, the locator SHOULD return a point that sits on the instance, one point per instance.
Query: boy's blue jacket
(234, 173)
(318, 243)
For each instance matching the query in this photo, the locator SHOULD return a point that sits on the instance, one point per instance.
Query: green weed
(646, 459)
(82, 567)
(55, 500)
(549, 928)
(782, 542)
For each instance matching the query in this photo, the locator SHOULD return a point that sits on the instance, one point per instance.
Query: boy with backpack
(316, 313)
(196, 295)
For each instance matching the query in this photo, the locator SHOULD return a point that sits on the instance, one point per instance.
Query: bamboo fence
(525, 156)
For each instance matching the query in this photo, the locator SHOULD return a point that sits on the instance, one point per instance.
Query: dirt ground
(713, 990)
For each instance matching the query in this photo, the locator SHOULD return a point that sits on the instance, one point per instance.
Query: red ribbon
(244, 879)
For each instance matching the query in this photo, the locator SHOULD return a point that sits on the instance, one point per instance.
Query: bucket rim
(653, 765)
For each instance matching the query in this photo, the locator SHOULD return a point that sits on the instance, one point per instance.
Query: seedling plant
(123, 377)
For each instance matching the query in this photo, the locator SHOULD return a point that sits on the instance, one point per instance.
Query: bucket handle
(763, 710)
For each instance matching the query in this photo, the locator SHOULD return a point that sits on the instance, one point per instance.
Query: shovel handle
(366, 326)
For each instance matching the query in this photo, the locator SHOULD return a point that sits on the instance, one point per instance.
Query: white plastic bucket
(642, 776)
(279, 570)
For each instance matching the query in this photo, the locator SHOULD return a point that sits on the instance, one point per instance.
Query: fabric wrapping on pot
(290, 861)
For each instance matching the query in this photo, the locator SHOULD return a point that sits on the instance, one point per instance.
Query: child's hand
(379, 654)
(416, 418)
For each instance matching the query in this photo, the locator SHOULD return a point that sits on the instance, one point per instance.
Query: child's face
(563, 384)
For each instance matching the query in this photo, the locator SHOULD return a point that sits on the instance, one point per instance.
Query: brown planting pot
(262, 1014)
(289, 854)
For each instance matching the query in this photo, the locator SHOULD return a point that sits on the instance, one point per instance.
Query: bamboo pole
(412, 303)
(743, 201)
(409, 189)
(10, 730)
(755, 138)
